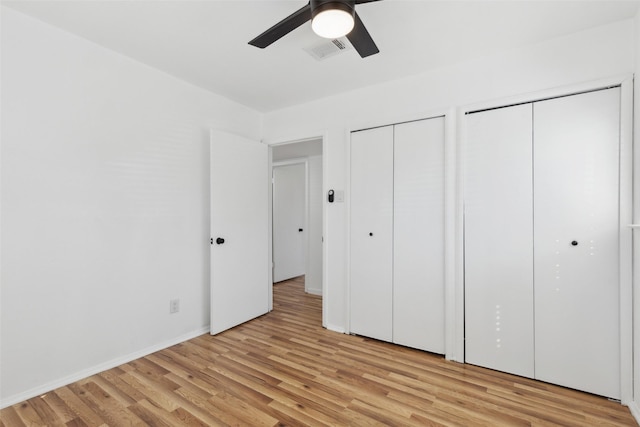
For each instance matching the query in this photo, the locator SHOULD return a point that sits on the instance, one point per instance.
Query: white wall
(601, 52)
(636, 209)
(313, 276)
(105, 213)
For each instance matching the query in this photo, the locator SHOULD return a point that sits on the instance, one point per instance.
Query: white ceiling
(297, 150)
(205, 42)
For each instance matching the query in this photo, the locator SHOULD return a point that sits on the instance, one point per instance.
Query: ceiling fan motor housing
(318, 6)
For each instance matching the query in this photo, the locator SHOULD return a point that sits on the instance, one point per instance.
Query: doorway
(297, 213)
(289, 219)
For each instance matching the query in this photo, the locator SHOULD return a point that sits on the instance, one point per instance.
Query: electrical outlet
(174, 306)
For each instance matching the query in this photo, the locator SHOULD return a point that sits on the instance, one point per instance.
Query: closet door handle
(219, 240)
(574, 243)
(370, 234)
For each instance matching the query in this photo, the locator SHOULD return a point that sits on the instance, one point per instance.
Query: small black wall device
(330, 196)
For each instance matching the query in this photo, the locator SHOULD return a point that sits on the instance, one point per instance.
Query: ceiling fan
(330, 19)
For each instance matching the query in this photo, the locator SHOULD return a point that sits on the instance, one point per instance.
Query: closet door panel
(371, 240)
(418, 256)
(576, 200)
(498, 239)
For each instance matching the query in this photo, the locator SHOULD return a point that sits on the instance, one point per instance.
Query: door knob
(219, 240)
(574, 243)
(300, 230)
(370, 234)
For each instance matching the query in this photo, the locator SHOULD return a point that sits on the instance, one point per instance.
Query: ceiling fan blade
(361, 39)
(283, 27)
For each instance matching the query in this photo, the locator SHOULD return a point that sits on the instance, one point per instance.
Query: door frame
(289, 162)
(625, 82)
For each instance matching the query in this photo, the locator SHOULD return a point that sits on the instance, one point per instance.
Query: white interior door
(371, 253)
(289, 201)
(576, 241)
(418, 236)
(498, 240)
(239, 230)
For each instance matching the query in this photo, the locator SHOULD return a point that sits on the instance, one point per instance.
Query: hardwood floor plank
(188, 358)
(200, 406)
(426, 410)
(284, 369)
(240, 386)
(305, 415)
(79, 408)
(46, 413)
(152, 415)
(315, 392)
(222, 409)
(112, 390)
(113, 377)
(10, 418)
(187, 418)
(155, 395)
(380, 415)
(108, 408)
(28, 415)
(63, 413)
(76, 422)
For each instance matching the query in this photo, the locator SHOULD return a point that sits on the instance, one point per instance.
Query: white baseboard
(52, 385)
(336, 329)
(634, 407)
(314, 292)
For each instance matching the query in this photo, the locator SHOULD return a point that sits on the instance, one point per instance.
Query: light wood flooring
(285, 369)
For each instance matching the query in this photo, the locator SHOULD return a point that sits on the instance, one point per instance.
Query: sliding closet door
(371, 233)
(498, 239)
(576, 241)
(418, 238)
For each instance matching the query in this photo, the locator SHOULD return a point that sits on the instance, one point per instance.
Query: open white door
(239, 230)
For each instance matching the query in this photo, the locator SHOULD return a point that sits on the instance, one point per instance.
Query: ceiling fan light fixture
(332, 20)
(340, 13)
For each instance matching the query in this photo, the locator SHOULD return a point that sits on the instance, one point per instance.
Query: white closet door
(371, 232)
(498, 240)
(576, 200)
(418, 237)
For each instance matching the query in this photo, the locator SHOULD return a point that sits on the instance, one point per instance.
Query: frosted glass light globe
(332, 23)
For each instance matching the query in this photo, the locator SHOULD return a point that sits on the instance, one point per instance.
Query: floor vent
(328, 48)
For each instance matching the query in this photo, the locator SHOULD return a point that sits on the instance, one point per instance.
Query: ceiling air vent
(328, 48)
